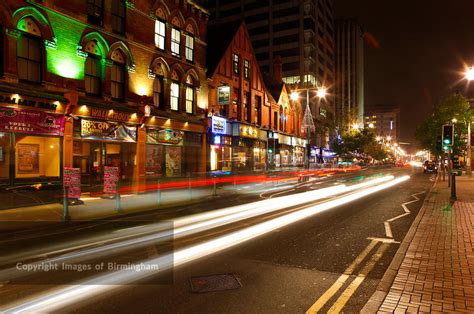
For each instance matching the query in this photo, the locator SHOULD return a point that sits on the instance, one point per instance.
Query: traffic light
(448, 135)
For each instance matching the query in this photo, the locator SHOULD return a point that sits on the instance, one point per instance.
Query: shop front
(30, 146)
(164, 153)
(299, 148)
(101, 146)
(249, 148)
(220, 148)
(285, 150)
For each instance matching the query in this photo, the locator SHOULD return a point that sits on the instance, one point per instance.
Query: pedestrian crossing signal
(448, 135)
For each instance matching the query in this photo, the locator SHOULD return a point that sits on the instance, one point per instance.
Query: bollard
(158, 192)
(190, 188)
(66, 204)
(118, 204)
(215, 187)
(453, 187)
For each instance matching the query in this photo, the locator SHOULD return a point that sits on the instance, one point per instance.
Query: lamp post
(469, 75)
(308, 122)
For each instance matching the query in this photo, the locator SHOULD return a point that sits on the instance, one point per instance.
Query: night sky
(424, 46)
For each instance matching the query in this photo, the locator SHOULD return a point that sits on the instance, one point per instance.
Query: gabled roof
(218, 40)
(273, 86)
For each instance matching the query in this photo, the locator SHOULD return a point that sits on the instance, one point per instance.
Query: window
(29, 58)
(95, 10)
(92, 75)
(189, 99)
(118, 16)
(160, 34)
(117, 81)
(175, 41)
(158, 92)
(189, 48)
(246, 69)
(174, 101)
(258, 110)
(236, 63)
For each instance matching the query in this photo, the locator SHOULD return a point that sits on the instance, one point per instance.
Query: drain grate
(214, 283)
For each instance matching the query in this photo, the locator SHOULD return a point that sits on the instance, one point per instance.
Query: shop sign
(223, 95)
(284, 139)
(248, 131)
(218, 125)
(30, 121)
(111, 178)
(323, 112)
(72, 180)
(295, 141)
(164, 136)
(108, 130)
(111, 115)
(7, 99)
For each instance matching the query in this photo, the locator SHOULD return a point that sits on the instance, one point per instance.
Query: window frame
(175, 42)
(158, 35)
(189, 49)
(174, 97)
(121, 84)
(98, 20)
(117, 17)
(28, 59)
(246, 69)
(190, 101)
(160, 94)
(98, 77)
(235, 63)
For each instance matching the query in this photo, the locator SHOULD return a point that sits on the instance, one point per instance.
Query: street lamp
(308, 122)
(469, 75)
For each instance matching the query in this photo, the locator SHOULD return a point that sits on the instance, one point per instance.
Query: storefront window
(37, 157)
(259, 155)
(221, 158)
(4, 158)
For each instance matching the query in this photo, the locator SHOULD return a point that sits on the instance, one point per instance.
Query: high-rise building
(349, 100)
(301, 34)
(384, 120)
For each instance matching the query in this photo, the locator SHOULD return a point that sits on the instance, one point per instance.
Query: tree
(454, 106)
(359, 142)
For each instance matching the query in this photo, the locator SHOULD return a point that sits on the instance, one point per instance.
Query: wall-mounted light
(147, 110)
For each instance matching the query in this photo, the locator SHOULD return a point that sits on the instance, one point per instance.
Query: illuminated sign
(223, 95)
(218, 125)
(108, 130)
(26, 102)
(164, 136)
(110, 114)
(248, 131)
(217, 139)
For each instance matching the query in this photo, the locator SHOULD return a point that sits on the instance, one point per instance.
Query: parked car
(430, 167)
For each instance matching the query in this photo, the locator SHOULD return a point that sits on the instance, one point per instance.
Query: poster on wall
(28, 158)
(173, 161)
(111, 177)
(223, 95)
(164, 136)
(72, 180)
(154, 159)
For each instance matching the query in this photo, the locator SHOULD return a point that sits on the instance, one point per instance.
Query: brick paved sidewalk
(436, 273)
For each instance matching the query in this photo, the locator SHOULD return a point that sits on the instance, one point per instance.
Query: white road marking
(388, 229)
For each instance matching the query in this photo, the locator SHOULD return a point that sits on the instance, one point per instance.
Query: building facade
(101, 86)
(349, 98)
(300, 33)
(245, 119)
(385, 122)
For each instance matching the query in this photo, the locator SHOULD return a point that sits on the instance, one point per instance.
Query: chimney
(277, 68)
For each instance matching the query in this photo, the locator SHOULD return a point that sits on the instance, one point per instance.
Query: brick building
(97, 84)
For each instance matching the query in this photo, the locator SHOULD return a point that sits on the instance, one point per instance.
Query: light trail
(94, 287)
(193, 224)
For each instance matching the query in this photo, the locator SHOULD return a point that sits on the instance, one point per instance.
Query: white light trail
(91, 288)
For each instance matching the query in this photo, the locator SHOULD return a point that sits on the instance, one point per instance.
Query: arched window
(174, 99)
(158, 91)
(29, 51)
(93, 68)
(117, 77)
(189, 95)
(175, 41)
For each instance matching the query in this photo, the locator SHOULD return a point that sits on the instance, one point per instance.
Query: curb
(377, 298)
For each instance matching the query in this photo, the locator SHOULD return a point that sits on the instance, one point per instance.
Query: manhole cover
(214, 283)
